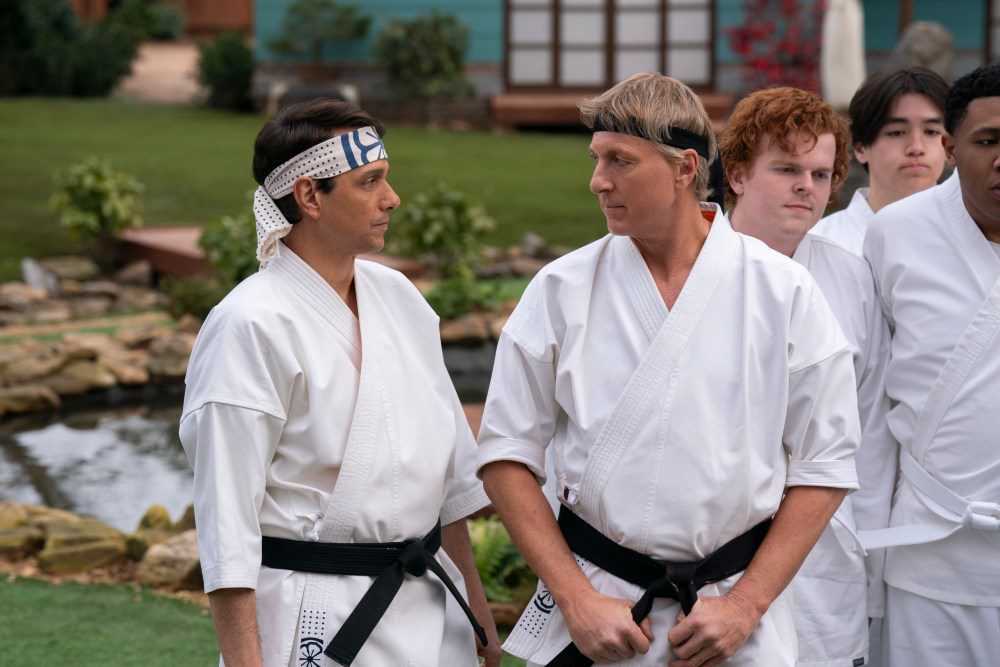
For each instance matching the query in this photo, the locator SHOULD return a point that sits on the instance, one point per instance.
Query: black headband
(678, 138)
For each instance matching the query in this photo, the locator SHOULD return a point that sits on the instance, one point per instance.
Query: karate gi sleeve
(230, 448)
(465, 492)
(822, 429)
(520, 415)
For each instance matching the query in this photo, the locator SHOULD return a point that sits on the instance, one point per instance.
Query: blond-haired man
(689, 384)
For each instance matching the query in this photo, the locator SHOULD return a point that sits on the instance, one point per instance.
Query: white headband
(326, 160)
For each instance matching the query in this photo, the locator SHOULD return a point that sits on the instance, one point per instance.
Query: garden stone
(134, 337)
(496, 326)
(42, 517)
(515, 252)
(79, 377)
(173, 564)
(138, 273)
(71, 267)
(492, 254)
(33, 364)
(556, 250)
(168, 355)
(186, 522)
(10, 318)
(188, 323)
(18, 296)
(139, 542)
(81, 557)
(28, 398)
(67, 533)
(36, 275)
(533, 245)
(526, 267)
(21, 542)
(100, 288)
(128, 366)
(926, 44)
(157, 517)
(93, 306)
(51, 312)
(82, 345)
(469, 328)
(138, 298)
(12, 515)
(70, 288)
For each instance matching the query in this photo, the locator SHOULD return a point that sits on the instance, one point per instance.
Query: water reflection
(111, 463)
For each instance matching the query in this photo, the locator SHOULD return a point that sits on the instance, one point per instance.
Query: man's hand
(715, 630)
(603, 629)
(491, 654)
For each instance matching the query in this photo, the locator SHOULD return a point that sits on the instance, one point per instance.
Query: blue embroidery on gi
(544, 602)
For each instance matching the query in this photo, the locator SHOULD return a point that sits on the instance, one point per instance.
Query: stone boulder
(89, 346)
(926, 44)
(135, 337)
(188, 323)
(138, 273)
(138, 298)
(71, 267)
(157, 517)
(81, 546)
(139, 542)
(18, 296)
(173, 564)
(42, 517)
(30, 363)
(105, 288)
(496, 325)
(28, 398)
(12, 515)
(467, 329)
(49, 312)
(169, 354)
(186, 522)
(128, 366)
(79, 377)
(21, 542)
(37, 275)
(89, 306)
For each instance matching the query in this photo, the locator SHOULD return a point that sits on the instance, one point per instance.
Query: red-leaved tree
(779, 42)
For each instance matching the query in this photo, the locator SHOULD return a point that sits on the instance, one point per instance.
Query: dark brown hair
(780, 113)
(872, 103)
(298, 127)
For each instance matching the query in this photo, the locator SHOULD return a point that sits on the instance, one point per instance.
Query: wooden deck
(174, 251)
(512, 110)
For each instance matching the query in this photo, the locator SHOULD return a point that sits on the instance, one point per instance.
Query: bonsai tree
(309, 25)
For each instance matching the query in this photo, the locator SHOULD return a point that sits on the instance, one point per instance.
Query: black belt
(661, 579)
(386, 561)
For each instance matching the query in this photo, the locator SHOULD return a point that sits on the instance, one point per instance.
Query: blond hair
(649, 104)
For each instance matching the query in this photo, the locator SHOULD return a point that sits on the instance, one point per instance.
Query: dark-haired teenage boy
(935, 257)
(897, 122)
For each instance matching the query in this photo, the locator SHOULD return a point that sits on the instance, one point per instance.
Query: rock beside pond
(71, 267)
(28, 398)
(20, 542)
(12, 515)
(135, 337)
(186, 522)
(89, 306)
(139, 542)
(137, 273)
(28, 363)
(173, 564)
(129, 367)
(138, 298)
(496, 325)
(15, 295)
(157, 517)
(49, 312)
(79, 377)
(168, 355)
(188, 323)
(43, 517)
(80, 546)
(470, 328)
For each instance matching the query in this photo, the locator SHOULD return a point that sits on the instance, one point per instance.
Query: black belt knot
(413, 557)
(678, 581)
(386, 561)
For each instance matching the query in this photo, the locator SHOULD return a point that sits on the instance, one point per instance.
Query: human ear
(949, 148)
(860, 154)
(306, 196)
(737, 179)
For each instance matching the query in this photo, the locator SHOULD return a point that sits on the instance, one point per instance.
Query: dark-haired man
(328, 445)
(897, 121)
(936, 261)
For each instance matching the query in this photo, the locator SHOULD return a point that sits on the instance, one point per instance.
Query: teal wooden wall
(964, 18)
(483, 17)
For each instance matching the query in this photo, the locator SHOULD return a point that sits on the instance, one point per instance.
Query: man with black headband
(695, 395)
(333, 464)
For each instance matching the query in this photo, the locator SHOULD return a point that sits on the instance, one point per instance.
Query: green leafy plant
(505, 575)
(444, 228)
(96, 203)
(225, 67)
(461, 295)
(194, 296)
(310, 25)
(425, 57)
(229, 244)
(164, 21)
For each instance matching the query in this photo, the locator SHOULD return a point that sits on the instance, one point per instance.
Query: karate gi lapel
(368, 422)
(652, 380)
(859, 212)
(642, 292)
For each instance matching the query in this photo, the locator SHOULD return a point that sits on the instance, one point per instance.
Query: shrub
(505, 575)
(102, 55)
(425, 57)
(444, 228)
(779, 42)
(229, 244)
(96, 203)
(194, 296)
(225, 67)
(164, 21)
(309, 25)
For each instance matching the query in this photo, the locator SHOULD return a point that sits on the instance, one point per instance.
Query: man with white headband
(332, 459)
(696, 397)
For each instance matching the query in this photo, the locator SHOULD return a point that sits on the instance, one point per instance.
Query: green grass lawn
(105, 625)
(195, 164)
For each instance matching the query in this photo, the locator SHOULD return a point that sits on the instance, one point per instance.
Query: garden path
(164, 72)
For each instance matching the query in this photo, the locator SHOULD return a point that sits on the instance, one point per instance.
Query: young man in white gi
(936, 261)
(897, 121)
(689, 384)
(786, 152)
(328, 444)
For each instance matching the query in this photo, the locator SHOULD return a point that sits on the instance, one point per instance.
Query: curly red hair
(782, 113)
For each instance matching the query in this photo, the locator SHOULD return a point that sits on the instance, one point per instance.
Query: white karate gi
(300, 426)
(829, 593)
(847, 227)
(672, 433)
(939, 283)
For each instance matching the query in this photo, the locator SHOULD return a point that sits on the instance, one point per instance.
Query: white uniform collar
(859, 211)
(960, 222)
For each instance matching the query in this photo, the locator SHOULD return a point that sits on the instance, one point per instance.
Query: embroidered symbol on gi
(310, 652)
(544, 602)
